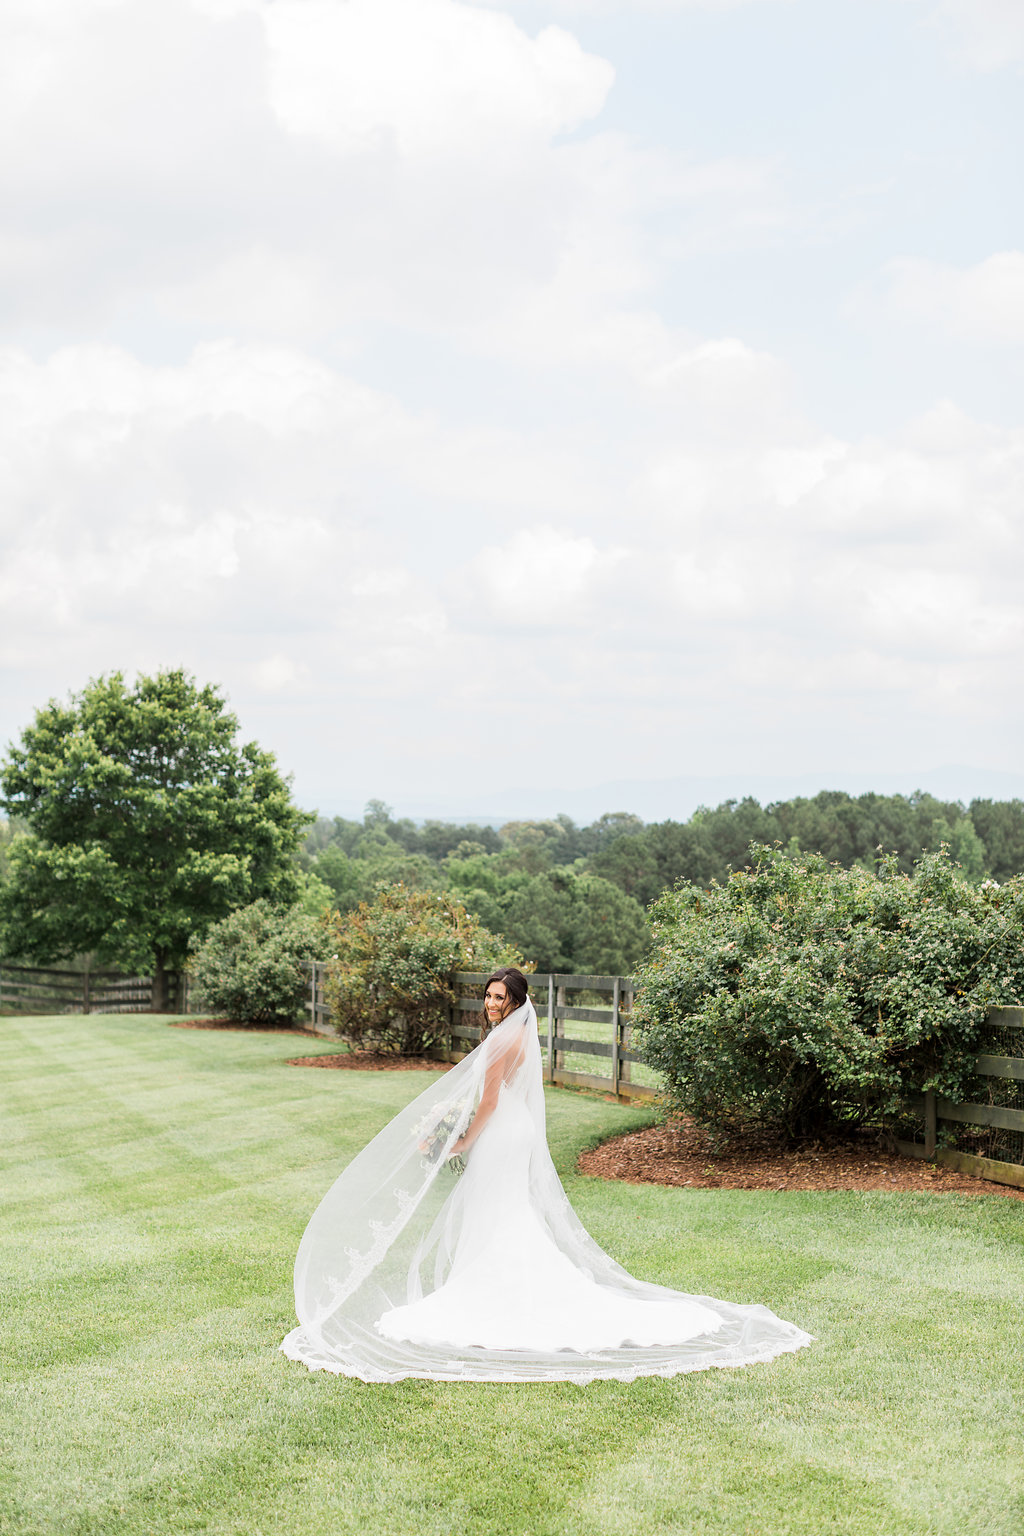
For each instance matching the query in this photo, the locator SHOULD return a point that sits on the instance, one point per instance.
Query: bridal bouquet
(434, 1135)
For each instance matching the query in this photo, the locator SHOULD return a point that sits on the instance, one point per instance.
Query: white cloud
(713, 588)
(983, 303)
(152, 492)
(604, 7)
(258, 516)
(936, 615)
(792, 473)
(543, 576)
(248, 491)
(986, 34)
(586, 300)
(312, 169)
(723, 385)
(434, 76)
(276, 673)
(354, 361)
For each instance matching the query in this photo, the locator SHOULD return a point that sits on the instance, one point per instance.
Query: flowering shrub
(389, 985)
(800, 994)
(250, 964)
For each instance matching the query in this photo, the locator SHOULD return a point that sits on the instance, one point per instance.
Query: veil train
(409, 1269)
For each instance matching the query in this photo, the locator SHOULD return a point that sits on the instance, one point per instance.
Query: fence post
(453, 1014)
(930, 1125)
(558, 1057)
(551, 1028)
(616, 1000)
(626, 1007)
(85, 991)
(312, 998)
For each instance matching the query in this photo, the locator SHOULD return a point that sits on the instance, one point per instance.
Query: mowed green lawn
(155, 1183)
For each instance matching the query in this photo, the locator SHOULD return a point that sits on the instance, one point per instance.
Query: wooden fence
(51, 990)
(559, 1000)
(989, 1127)
(319, 1013)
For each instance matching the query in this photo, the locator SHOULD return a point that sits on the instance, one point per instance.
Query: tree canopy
(529, 881)
(572, 897)
(147, 822)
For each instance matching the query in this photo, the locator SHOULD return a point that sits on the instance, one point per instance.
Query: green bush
(250, 965)
(799, 994)
(389, 986)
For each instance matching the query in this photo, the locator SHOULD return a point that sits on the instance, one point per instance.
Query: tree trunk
(160, 1003)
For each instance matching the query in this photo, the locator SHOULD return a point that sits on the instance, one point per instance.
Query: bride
(411, 1266)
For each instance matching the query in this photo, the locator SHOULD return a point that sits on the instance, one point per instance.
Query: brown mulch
(679, 1154)
(249, 1029)
(352, 1061)
(371, 1061)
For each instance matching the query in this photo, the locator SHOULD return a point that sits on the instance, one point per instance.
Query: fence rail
(997, 1076)
(26, 989)
(1003, 1067)
(550, 993)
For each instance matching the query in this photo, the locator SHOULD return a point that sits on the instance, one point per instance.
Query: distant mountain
(661, 799)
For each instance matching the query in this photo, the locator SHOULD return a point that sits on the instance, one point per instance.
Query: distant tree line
(986, 839)
(138, 820)
(530, 881)
(573, 897)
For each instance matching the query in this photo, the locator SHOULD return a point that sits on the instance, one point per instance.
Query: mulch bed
(249, 1029)
(352, 1061)
(678, 1153)
(371, 1061)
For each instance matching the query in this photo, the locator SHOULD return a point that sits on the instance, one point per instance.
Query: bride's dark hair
(515, 984)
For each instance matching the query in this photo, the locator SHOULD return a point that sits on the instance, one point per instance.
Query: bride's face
(496, 1002)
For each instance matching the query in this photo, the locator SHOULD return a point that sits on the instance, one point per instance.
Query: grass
(156, 1181)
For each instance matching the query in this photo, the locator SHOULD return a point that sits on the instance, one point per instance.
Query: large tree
(148, 821)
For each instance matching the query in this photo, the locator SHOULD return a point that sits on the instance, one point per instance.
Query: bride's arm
(498, 1068)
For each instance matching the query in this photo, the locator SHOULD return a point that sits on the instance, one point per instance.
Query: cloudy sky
(507, 399)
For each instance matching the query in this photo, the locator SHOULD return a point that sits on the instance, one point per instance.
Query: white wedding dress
(408, 1270)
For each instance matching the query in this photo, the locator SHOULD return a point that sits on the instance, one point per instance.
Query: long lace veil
(387, 1230)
